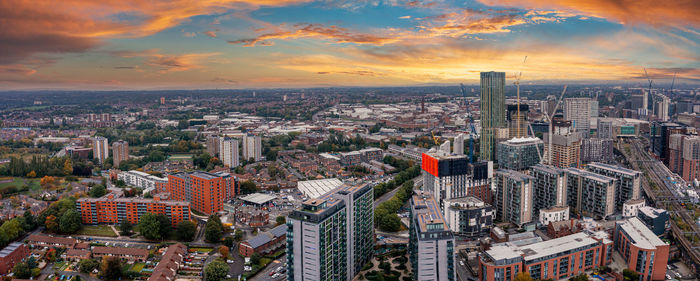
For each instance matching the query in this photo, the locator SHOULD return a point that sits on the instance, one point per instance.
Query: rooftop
(518, 176)
(9, 249)
(542, 249)
(204, 175)
(432, 214)
(640, 234)
(523, 141)
(317, 188)
(651, 211)
(590, 175)
(258, 198)
(615, 168)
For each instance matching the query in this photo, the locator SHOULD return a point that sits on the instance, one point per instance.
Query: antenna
(517, 85)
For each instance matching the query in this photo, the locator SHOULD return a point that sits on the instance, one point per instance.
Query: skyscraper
(120, 151)
(513, 199)
(331, 237)
(451, 176)
(252, 147)
(431, 243)
(549, 189)
(519, 153)
(514, 120)
(566, 145)
(229, 152)
(493, 112)
(578, 111)
(100, 149)
(213, 146)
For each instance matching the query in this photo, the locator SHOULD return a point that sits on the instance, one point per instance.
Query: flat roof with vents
(258, 198)
(317, 188)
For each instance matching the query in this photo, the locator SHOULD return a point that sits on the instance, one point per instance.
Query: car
(229, 261)
(247, 268)
(278, 269)
(271, 273)
(275, 275)
(461, 263)
(228, 276)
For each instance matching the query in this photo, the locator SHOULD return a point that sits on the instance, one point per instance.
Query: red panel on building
(429, 164)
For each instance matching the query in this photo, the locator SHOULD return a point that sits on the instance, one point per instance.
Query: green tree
(238, 235)
(111, 268)
(248, 187)
(126, 227)
(68, 167)
(70, 222)
(149, 226)
(255, 258)
(97, 191)
(228, 241)
(88, 265)
(213, 232)
(186, 231)
(22, 271)
(216, 271)
(29, 221)
(165, 225)
(388, 222)
(281, 220)
(630, 275)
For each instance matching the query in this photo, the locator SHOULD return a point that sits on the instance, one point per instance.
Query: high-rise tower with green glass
(493, 112)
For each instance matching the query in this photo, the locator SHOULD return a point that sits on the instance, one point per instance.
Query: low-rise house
(76, 255)
(264, 243)
(166, 270)
(38, 240)
(131, 254)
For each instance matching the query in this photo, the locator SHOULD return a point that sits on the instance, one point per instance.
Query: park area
(97, 230)
(13, 185)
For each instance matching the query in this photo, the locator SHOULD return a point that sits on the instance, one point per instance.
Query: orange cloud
(678, 13)
(332, 33)
(16, 69)
(210, 33)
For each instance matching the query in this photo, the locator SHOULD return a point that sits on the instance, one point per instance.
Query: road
(417, 181)
(663, 194)
(264, 275)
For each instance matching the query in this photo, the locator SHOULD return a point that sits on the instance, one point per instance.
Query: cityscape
(337, 140)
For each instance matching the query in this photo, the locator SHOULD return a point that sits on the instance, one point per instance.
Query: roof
(432, 215)
(51, 239)
(589, 175)
(614, 168)
(120, 251)
(515, 175)
(10, 249)
(169, 263)
(558, 245)
(204, 175)
(523, 141)
(640, 234)
(258, 198)
(316, 188)
(80, 253)
(279, 230)
(651, 211)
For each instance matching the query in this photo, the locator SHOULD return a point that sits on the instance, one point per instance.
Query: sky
(208, 44)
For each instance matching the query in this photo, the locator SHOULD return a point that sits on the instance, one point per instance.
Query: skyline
(268, 44)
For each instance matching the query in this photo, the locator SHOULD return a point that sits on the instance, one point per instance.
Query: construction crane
(464, 93)
(550, 117)
(471, 140)
(673, 82)
(435, 139)
(517, 85)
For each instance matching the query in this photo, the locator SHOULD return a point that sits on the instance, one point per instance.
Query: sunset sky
(134, 44)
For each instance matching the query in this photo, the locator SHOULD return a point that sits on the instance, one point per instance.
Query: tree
(580, 277)
(523, 276)
(51, 223)
(228, 241)
(70, 222)
(111, 268)
(238, 235)
(22, 271)
(630, 275)
(248, 187)
(88, 265)
(223, 250)
(31, 174)
(29, 221)
(213, 232)
(255, 258)
(186, 231)
(125, 227)
(97, 191)
(388, 222)
(67, 167)
(281, 220)
(149, 226)
(165, 225)
(216, 271)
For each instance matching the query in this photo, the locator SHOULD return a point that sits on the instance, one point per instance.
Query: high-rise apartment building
(468, 216)
(590, 194)
(578, 111)
(641, 249)
(514, 119)
(513, 198)
(452, 176)
(331, 237)
(206, 192)
(458, 146)
(228, 152)
(596, 150)
(431, 243)
(213, 146)
(691, 158)
(549, 188)
(493, 112)
(519, 153)
(120, 152)
(628, 182)
(566, 145)
(100, 149)
(252, 147)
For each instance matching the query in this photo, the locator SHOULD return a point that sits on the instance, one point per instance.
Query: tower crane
(517, 85)
(550, 117)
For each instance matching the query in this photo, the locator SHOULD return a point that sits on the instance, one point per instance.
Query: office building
(641, 249)
(252, 148)
(452, 176)
(578, 111)
(655, 219)
(514, 120)
(596, 150)
(493, 112)
(566, 145)
(458, 146)
(100, 149)
(120, 152)
(549, 188)
(520, 153)
(228, 151)
(431, 243)
(590, 194)
(110, 209)
(205, 191)
(628, 182)
(213, 146)
(331, 237)
(513, 198)
(558, 259)
(468, 216)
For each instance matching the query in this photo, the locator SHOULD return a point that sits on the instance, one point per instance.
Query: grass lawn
(60, 266)
(33, 184)
(203, 250)
(175, 157)
(138, 267)
(97, 230)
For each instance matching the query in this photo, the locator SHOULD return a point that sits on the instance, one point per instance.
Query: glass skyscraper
(493, 112)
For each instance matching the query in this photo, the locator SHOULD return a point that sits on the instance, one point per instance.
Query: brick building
(206, 192)
(111, 210)
(264, 243)
(11, 255)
